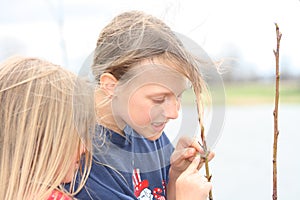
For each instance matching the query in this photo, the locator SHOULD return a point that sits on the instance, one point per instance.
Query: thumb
(192, 168)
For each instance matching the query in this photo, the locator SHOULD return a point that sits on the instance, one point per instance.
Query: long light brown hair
(45, 118)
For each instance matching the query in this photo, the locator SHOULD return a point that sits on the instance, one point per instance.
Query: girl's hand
(185, 151)
(191, 185)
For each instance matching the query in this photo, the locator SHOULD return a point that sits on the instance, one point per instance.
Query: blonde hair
(134, 36)
(43, 123)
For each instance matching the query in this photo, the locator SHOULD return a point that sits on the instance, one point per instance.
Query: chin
(155, 136)
(69, 177)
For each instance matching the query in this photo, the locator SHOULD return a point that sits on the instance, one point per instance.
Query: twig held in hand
(206, 153)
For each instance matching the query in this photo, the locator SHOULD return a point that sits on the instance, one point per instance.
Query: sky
(65, 32)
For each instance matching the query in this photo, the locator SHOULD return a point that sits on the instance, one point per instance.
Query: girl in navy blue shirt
(141, 70)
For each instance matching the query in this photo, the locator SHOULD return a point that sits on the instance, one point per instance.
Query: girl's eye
(158, 100)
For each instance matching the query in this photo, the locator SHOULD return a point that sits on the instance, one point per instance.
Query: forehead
(155, 72)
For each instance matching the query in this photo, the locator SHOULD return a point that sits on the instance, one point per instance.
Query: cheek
(70, 174)
(139, 112)
(74, 166)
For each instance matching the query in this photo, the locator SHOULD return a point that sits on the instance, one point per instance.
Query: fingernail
(191, 151)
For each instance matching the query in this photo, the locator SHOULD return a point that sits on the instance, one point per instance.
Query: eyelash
(161, 100)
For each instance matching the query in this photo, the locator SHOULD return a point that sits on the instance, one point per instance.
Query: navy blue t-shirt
(128, 167)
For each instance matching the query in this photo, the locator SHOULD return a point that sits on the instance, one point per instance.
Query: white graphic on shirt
(141, 188)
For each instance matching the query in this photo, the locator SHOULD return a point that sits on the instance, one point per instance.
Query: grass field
(249, 93)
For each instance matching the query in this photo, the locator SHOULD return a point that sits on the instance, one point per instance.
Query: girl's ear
(108, 83)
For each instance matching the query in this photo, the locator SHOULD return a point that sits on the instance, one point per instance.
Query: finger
(208, 186)
(184, 142)
(195, 144)
(210, 156)
(190, 159)
(192, 168)
(183, 154)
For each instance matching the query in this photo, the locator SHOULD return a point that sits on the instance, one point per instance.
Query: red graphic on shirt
(141, 190)
(157, 192)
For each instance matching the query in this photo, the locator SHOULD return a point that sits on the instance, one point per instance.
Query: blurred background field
(248, 93)
(255, 93)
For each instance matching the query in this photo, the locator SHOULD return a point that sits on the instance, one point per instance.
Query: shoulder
(105, 182)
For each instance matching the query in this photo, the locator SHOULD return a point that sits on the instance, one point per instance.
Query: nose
(171, 108)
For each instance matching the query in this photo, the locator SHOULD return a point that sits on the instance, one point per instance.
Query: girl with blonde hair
(141, 69)
(46, 119)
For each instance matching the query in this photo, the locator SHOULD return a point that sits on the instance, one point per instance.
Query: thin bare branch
(275, 113)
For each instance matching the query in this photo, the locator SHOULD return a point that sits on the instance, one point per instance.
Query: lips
(158, 126)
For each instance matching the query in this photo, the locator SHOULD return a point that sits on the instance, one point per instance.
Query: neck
(104, 113)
